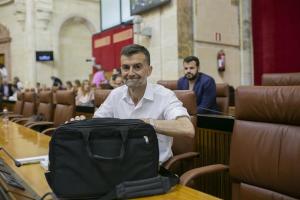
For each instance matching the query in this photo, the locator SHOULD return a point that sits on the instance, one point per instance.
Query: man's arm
(182, 126)
(208, 97)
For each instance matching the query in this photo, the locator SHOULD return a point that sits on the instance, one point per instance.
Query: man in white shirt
(154, 104)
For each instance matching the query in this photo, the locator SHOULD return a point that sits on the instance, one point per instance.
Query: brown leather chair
(223, 97)
(100, 96)
(45, 108)
(281, 79)
(29, 106)
(183, 147)
(170, 84)
(265, 145)
(64, 111)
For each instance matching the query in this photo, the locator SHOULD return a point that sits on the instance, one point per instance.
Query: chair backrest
(100, 96)
(184, 144)
(265, 144)
(19, 103)
(223, 97)
(65, 107)
(45, 106)
(281, 79)
(170, 84)
(29, 106)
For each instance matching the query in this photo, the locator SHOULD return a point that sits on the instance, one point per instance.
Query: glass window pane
(110, 13)
(126, 11)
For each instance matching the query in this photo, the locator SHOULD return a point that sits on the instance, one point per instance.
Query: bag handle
(123, 131)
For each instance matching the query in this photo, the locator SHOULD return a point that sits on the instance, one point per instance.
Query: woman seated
(117, 81)
(85, 95)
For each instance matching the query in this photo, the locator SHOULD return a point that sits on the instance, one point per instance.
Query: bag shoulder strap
(157, 185)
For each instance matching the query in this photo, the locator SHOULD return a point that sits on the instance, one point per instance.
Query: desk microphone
(17, 163)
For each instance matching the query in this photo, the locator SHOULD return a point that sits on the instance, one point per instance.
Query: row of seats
(26, 107)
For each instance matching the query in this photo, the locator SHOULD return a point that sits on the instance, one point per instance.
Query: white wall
(221, 17)
(75, 48)
(41, 30)
(163, 43)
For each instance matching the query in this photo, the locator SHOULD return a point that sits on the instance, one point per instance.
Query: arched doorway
(75, 47)
(5, 48)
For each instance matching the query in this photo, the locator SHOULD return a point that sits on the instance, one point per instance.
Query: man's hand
(77, 118)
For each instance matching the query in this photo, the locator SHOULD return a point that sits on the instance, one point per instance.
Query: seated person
(18, 83)
(57, 83)
(116, 81)
(77, 86)
(85, 95)
(69, 86)
(140, 99)
(203, 85)
(99, 77)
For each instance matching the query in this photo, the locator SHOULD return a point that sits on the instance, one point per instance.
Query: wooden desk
(22, 142)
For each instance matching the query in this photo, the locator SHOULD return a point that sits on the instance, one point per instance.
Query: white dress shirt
(158, 102)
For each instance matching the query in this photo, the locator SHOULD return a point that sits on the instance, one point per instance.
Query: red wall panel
(108, 44)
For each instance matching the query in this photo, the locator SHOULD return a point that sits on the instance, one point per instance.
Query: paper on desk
(31, 160)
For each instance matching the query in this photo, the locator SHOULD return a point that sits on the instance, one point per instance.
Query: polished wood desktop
(22, 142)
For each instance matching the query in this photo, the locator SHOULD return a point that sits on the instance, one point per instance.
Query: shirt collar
(149, 93)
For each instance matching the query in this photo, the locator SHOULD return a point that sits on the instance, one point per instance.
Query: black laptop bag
(106, 158)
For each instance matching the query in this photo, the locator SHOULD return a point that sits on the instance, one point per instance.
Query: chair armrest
(21, 119)
(29, 123)
(41, 123)
(194, 173)
(48, 131)
(13, 116)
(179, 157)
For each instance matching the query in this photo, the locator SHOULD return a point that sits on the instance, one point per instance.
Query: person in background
(69, 86)
(77, 86)
(38, 87)
(85, 95)
(57, 83)
(118, 81)
(202, 84)
(153, 103)
(18, 83)
(115, 73)
(3, 71)
(6, 89)
(98, 77)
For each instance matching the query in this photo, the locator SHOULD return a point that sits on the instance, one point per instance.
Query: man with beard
(139, 99)
(203, 85)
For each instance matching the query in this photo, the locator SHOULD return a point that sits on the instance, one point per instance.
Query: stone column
(30, 44)
(246, 43)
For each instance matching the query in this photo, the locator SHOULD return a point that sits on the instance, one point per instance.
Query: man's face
(135, 70)
(190, 70)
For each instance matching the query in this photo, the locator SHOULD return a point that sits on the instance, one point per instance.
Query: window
(114, 12)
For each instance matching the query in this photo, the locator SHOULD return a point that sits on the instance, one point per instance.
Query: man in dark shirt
(203, 85)
(56, 82)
